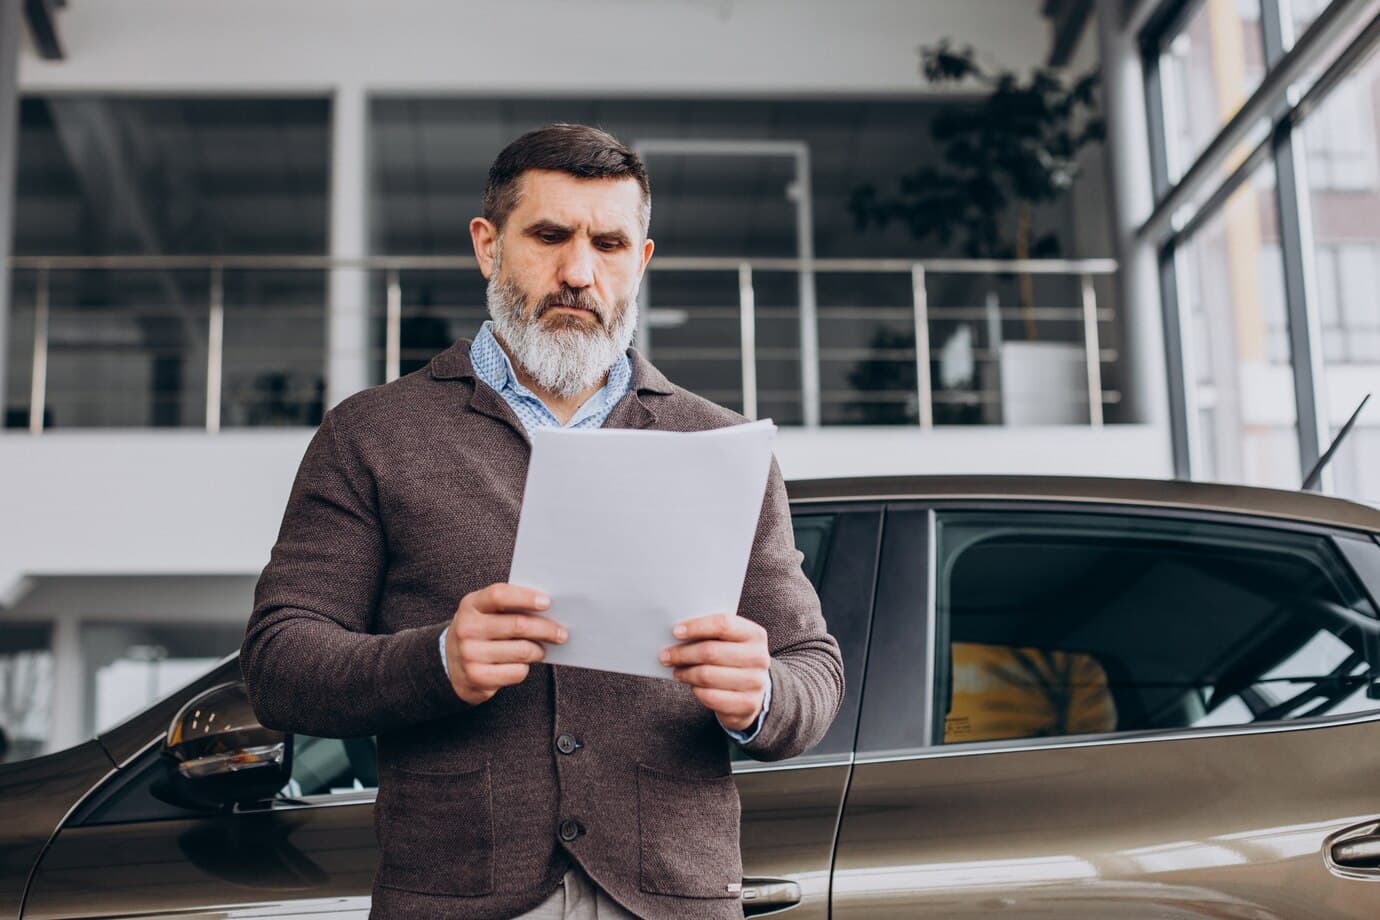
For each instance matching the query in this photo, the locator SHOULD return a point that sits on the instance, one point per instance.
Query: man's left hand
(724, 658)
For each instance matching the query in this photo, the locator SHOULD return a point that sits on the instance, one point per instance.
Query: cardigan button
(567, 744)
(570, 829)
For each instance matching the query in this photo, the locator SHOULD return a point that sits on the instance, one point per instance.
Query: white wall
(560, 47)
(1073, 450)
(142, 502)
(187, 503)
(151, 599)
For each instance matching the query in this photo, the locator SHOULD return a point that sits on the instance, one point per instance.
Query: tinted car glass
(812, 533)
(1071, 624)
(323, 766)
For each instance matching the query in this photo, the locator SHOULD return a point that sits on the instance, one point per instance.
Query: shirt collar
(491, 363)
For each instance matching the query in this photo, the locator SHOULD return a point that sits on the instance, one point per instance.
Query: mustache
(570, 297)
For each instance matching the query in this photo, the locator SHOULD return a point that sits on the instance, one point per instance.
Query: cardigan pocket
(688, 835)
(436, 831)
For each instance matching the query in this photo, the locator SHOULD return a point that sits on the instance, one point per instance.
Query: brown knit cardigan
(406, 500)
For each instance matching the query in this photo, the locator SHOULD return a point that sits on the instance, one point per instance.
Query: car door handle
(761, 895)
(1354, 852)
(1358, 852)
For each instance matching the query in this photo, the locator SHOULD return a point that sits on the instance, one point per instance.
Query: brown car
(1066, 699)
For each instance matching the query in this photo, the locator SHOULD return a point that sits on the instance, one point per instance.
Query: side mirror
(219, 754)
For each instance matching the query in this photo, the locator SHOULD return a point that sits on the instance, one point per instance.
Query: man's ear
(484, 235)
(647, 247)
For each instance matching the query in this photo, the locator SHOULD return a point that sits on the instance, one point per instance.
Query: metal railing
(920, 273)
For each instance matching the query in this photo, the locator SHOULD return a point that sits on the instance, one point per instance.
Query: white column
(1145, 388)
(66, 722)
(347, 318)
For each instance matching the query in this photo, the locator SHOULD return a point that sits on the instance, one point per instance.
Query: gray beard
(567, 360)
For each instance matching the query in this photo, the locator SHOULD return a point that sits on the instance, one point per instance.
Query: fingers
(514, 626)
(496, 635)
(501, 597)
(503, 651)
(491, 677)
(504, 611)
(713, 677)
(727, 654)
(719, 626)
(735, 709)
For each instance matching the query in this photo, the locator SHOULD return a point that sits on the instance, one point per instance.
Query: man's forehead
(589, 204)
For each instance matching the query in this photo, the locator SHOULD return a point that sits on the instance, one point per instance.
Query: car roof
(1171, 493)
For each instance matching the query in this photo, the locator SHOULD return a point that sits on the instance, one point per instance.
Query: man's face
(563, 275)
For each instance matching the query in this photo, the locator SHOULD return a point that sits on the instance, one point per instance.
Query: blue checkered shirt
(492, 366)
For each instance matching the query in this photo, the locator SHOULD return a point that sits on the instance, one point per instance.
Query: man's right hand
(495, 637)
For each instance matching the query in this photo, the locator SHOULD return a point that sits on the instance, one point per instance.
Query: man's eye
(608, 245)
(550, 236)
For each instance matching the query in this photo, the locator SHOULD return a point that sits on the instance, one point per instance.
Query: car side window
(838, 547)
(328, 766)
(1058, 624)
(812, 533)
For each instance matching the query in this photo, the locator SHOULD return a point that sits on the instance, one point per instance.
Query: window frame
(1283, 146)
(888, 727)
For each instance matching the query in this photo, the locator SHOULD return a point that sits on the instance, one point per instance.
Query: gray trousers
(578, 898)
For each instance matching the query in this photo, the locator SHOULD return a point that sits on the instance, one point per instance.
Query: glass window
(131, 665)
(428, 159)
(812, 533)
(109, 176)
(1340, 138)
(1208, 68)
(1063, 624)
(1231, 279)
(331, 766)
(26, 690)
(838, 556)
(1302, 12)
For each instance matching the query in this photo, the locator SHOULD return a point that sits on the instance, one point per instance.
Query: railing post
(809, 318)
(38, 385)
(1092, 352)
(215, 346)
(392, 367)
(747, 330)
(922, 345)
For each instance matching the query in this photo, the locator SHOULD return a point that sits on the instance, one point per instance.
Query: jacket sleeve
(806, 668)
(310, 659)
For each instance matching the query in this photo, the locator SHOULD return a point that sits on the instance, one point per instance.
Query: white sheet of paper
(631, 531)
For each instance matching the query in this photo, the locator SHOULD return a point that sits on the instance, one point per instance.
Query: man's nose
(577, 266)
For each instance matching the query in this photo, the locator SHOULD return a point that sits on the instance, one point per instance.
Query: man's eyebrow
(546, 225)
(543, 226)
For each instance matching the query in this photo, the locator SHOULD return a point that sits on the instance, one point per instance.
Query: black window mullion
(1154, 115)
(1181, 376)
(1295, 238)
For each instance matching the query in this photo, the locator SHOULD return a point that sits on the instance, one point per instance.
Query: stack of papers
(633, 531)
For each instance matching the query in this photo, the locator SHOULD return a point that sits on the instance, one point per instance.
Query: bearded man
(508, 787)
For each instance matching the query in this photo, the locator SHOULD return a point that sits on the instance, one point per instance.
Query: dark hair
(578, 150)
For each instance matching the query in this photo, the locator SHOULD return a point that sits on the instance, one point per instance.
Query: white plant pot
(1043, 383)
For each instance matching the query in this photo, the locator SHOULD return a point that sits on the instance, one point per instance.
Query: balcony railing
(822, 341)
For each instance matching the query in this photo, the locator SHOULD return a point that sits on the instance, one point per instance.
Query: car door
(791, 808)
(308, 851)
(1079, 712)
(312, 849)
